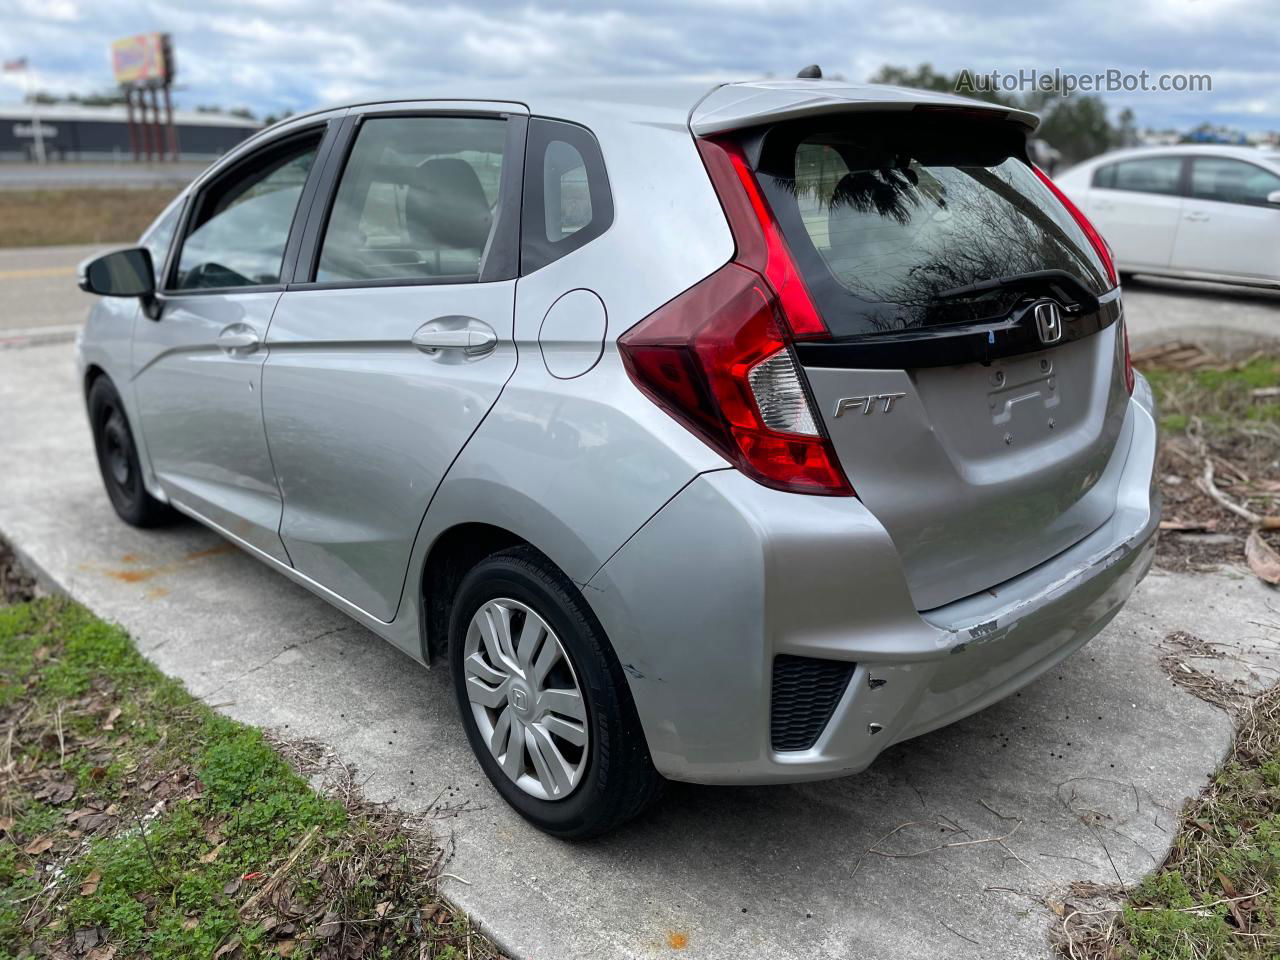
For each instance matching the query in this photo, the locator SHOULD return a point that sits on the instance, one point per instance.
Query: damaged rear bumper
(730, 574)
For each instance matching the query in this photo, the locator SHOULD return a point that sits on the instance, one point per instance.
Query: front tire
(544, 701)
(118, 459)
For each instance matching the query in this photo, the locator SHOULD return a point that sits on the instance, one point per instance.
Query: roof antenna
(811, 72)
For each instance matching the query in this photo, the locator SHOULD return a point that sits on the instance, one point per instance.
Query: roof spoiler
(736, 106)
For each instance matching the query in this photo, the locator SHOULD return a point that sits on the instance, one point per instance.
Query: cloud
(293, 54)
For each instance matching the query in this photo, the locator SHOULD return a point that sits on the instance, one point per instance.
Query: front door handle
(239, 338)
(466, 335)
(1196, 216)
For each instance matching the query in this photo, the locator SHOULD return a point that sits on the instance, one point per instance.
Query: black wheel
(544, 700)
(118, 459)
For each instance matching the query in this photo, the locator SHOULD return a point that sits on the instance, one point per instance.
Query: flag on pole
(14, 66)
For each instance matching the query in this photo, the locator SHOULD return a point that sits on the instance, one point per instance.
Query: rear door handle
(1196, 216)
(239, 338)
(467, 335)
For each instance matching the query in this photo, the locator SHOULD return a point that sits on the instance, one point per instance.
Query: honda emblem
(1049, 322)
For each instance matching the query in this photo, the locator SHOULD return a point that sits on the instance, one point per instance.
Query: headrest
(446, 203)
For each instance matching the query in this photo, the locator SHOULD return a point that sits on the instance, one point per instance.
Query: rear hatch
(972, 384)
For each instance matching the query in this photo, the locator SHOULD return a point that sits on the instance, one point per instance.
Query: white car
(1196, 212)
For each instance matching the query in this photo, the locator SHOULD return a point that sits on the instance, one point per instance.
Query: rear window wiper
(1062, 286)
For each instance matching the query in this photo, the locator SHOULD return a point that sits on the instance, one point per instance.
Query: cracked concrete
(1080, 776)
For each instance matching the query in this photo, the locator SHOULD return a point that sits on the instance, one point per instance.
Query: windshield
(885, 215)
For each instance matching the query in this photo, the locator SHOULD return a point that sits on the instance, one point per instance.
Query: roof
(67, 112)
(708, 106)
(738, 104)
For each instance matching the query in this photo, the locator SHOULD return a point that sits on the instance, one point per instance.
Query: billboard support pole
(132, 124)
(144, 125)
(173, 131)
(159, 131)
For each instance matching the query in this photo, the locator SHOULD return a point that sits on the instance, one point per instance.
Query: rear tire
(118, 459)
(608, 780)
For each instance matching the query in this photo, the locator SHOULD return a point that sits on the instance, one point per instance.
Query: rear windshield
(886, 215)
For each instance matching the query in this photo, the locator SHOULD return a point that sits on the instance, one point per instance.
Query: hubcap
(116, 447)
(526, 699)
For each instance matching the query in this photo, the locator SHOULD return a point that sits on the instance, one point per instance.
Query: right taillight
(717, 359)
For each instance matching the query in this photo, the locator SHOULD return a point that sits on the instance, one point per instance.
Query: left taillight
(717, 358)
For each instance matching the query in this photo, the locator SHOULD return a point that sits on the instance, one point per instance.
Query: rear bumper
(729, 574)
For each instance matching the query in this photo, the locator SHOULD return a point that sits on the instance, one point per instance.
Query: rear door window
(886, 216)
(418, 201)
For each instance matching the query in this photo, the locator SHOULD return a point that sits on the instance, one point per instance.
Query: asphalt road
(53, 176)
(1081, 775)
(37, 290)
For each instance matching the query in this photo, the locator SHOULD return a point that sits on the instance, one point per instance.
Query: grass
(1223, 416)
(135, 821)
(1217, 895)
(1222, 399)
(34, 218)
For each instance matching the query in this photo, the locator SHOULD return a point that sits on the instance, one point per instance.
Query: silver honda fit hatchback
(723, 435)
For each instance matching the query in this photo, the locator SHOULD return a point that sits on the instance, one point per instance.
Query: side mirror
(121, 273)
(1274, 197)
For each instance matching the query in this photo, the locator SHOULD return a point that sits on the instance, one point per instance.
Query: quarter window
(567, 202)
(1231, 181)
(418, 200)
(568, 197)
(241, 223)
(1145, 175)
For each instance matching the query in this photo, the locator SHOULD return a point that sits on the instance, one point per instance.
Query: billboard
(145, 59)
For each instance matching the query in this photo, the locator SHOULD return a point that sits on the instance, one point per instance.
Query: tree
(1127, 135)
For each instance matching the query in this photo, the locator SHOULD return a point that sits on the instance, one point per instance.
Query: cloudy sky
(272, 55)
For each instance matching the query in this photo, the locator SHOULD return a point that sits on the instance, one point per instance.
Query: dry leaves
(212, 855)
(38, 846)
(1263, 560)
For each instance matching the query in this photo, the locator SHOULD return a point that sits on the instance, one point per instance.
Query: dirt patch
(16, 585)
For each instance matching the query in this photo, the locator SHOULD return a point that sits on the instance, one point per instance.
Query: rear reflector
(716, 358)
(1090, 231)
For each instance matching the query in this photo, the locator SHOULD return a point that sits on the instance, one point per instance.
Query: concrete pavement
(1083, 773)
